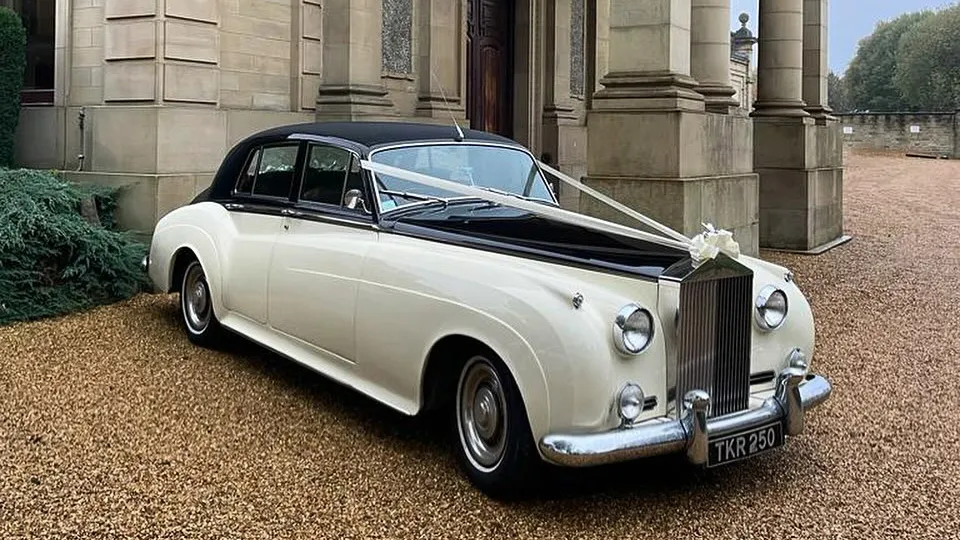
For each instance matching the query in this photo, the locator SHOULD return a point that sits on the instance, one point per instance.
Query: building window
(397, 33)
(577, 66)
(39, 19)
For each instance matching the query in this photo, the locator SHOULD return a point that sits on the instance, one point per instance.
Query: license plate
(743, 445)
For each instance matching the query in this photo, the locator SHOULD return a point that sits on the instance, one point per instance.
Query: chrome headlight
(633, 329)
(771, 305)
(630, 402)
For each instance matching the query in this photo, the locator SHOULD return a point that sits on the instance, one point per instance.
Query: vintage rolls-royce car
(432, 269)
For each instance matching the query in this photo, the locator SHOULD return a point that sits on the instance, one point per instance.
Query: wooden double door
(490, 29)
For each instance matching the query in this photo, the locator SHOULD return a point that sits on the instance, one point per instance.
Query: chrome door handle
(233, 206)
(291, 213)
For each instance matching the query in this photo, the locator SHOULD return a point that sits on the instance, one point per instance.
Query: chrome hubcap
(482, 414)
(196, 301)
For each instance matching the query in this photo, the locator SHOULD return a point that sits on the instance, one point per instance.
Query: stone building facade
(649, 100)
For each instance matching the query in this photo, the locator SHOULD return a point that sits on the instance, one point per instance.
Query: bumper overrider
(796, 392)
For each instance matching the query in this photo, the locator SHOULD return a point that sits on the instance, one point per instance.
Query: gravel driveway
(112, 426)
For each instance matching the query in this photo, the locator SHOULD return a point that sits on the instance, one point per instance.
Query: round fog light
(630, 402)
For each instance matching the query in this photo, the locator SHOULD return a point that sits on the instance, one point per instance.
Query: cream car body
(376, 305)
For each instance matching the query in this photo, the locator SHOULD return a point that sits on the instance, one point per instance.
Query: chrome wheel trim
(481, 414)
(197, 309)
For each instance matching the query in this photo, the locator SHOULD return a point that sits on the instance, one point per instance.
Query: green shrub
(13, 60)
(52, 260)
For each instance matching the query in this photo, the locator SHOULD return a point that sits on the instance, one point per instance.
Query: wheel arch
(448, 353)
(200, 248)
(178, 265)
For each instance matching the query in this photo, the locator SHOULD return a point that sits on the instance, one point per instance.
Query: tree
(13, 59)
(928, 62)
(837, 93)
(870, 76)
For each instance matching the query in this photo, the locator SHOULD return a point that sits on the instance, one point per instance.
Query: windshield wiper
(415, 196)
(515, 195)
(501, 192)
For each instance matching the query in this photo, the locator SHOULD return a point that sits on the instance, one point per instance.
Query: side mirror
(354, 198)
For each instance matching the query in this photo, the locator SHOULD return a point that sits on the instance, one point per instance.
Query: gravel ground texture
(113, 426)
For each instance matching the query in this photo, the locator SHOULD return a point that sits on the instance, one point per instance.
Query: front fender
(561, 356)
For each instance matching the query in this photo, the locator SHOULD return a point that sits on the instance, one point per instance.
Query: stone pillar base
(663, 91)
(800, 164)
(352, 102)
(436, 107)
(780, 109)
(822, 115)
(698, 168)
(683, 204)
(719, 98)
(564, 146)
(800, 209)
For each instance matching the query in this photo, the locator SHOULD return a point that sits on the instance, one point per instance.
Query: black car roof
(371, 134)
(365, 135)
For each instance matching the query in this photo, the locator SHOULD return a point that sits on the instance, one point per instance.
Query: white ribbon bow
(710, 243)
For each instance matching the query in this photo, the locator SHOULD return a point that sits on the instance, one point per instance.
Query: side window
(275, 173)
(328, 174)
(249, 174)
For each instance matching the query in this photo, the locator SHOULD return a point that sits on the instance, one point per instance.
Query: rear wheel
(196, 307)
(491, 431)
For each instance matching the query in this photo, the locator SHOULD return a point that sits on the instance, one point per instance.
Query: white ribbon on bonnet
(712, 242)
(703, 247)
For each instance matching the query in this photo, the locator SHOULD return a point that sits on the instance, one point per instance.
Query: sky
(849, 21)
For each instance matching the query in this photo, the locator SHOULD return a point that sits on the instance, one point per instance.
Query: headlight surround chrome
(771, 308)
(633, 329)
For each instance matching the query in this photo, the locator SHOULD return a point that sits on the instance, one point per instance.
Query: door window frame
(318, 209)
(257, 151)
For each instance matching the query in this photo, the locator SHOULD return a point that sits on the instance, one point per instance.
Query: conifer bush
(53, 261)
(13, 60)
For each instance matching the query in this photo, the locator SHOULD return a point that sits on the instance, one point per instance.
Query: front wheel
(491, 431)
(196, 307)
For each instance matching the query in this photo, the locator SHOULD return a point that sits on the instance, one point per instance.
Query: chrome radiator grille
(714, 340)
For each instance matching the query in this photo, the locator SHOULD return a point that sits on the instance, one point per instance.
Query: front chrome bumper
(795, 394)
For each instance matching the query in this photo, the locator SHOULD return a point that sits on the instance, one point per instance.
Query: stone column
(815, 68)
(651, 143)
(800, 163)
(710, 53)
(556, 52)
(780, 59)
(352, 59)
(649, 55)
(564, 140)
(438, 59)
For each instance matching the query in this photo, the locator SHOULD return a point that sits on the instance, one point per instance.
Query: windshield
(506, 170)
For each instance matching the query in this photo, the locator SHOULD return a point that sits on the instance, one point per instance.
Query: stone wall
(930, 133)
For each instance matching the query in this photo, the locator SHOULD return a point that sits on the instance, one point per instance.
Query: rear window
(270, 172)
